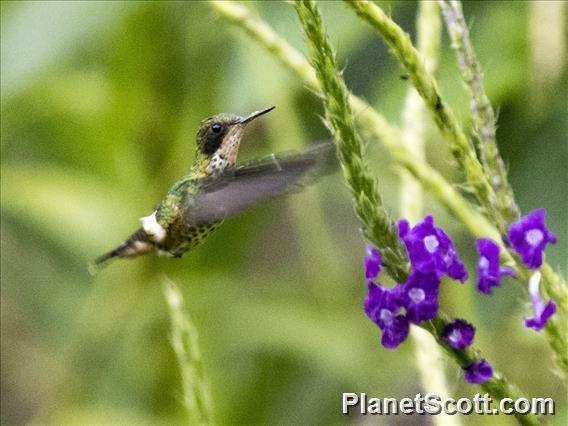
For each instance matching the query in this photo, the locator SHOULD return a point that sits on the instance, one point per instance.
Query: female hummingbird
(215, 188)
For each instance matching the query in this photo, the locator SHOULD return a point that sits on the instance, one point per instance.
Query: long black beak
(254, 115)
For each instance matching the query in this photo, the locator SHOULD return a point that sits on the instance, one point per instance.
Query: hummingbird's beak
(254, 115)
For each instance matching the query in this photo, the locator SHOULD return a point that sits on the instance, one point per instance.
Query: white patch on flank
(140, 245)
(153, 228)
(137, 247)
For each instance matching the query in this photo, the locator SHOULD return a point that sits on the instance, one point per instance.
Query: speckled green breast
(180, 238)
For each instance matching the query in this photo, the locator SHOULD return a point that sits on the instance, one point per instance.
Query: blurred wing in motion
(243, 187)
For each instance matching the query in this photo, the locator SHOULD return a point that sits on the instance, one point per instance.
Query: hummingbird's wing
(243, 187)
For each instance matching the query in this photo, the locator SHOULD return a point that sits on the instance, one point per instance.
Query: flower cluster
(528, 237)
(432, 256)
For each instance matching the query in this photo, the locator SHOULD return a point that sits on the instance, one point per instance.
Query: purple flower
(488, 269)
(421, 296)
(373, 262)
(458, 334)
(529, 236)
(431, 250)
(383, 306)
(541, 312)
(456, 269)
(478, 372)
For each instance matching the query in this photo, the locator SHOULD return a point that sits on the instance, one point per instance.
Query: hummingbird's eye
(212, 137)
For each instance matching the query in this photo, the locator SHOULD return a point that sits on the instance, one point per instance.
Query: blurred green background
(100, 105)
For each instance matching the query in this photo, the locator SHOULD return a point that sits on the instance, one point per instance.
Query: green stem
(484, 129)
(378, 227)
(426, 85)
(481, 110)
(185, 342)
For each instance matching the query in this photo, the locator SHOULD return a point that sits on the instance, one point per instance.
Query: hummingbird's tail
(138, 243)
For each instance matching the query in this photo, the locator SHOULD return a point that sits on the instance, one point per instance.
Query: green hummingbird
(215, 188)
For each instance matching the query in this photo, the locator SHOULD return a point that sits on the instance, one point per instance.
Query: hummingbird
(215, 188)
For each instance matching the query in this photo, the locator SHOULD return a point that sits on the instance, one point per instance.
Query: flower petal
(478, 372)
(541, 311)
(489, 271)
(458, 334)
(373, 262)
(431, 250)
(421, 296)
(529, 237)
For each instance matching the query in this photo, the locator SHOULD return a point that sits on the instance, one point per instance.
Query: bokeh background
(100, 105)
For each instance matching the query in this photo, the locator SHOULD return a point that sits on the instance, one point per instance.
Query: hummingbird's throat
(226, 155)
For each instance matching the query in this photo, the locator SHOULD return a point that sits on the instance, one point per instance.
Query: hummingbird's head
(218, 140)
